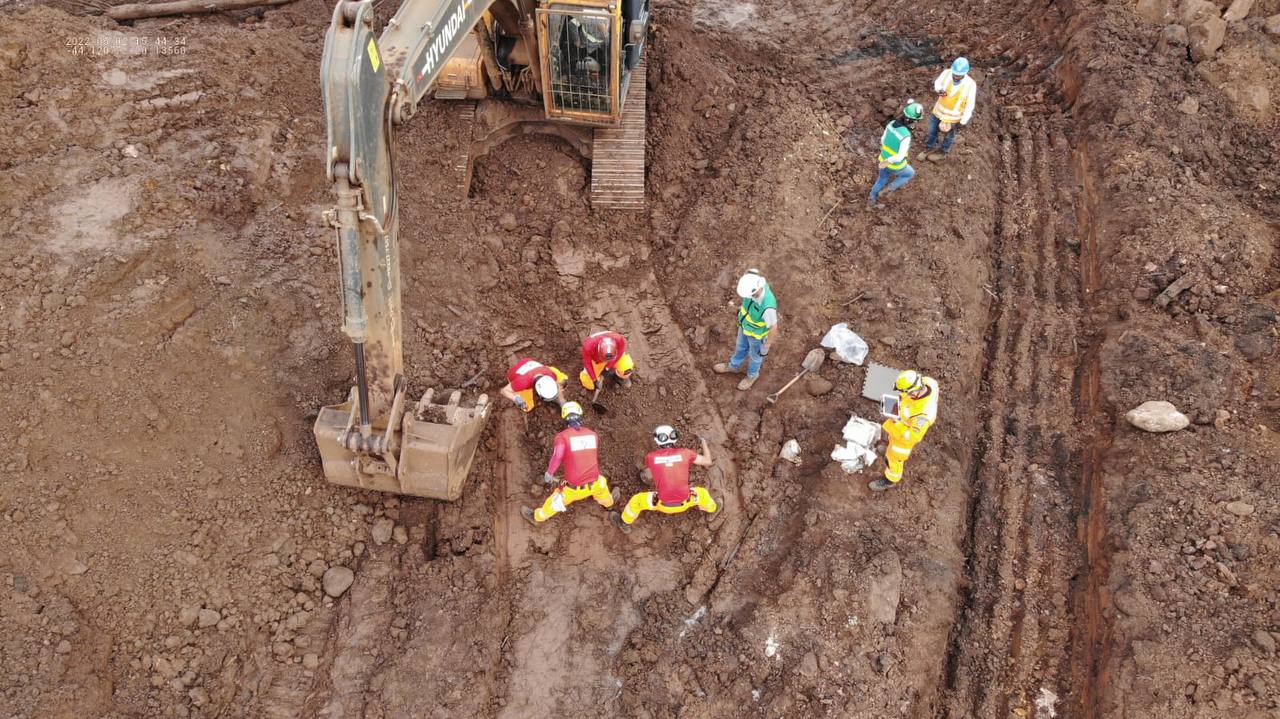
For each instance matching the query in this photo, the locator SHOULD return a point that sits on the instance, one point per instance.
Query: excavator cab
(588, 52)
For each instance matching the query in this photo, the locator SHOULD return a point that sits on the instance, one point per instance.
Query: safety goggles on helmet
(665, 435)
(570, 411)
(546, 388)
(608, 348)
(913, 111)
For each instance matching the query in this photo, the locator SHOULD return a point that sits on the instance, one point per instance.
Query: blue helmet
(960, 66)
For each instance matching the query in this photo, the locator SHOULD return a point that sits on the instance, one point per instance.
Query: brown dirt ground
(170, 328)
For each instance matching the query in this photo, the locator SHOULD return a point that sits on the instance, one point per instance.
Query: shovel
(811, 363)
(595, 398)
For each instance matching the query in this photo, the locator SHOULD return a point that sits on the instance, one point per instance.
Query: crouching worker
(529, 381)
(668, 468)
(605, 352)
(575, 447)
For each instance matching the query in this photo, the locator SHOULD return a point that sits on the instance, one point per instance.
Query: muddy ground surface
(171, 327)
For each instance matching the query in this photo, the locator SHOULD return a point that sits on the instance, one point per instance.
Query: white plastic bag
(861, 431)
(853, 457)
(847, 345)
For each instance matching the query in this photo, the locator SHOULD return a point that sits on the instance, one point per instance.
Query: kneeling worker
(668, 468)
(605, 352)
(576, 447)
(529, 381)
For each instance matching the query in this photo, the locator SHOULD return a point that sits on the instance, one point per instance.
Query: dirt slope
(171, 328)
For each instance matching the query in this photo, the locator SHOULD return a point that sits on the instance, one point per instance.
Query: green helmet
(913, 110)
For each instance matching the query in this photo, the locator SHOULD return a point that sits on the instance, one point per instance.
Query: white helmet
(664, 435)
(546, 387)
(750, 283)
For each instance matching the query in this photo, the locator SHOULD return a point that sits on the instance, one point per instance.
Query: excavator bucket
(429, 456)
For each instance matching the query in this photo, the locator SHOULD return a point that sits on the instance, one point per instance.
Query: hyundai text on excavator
(571, 68)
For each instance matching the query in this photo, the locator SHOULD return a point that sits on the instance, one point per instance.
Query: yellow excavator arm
(374, 440)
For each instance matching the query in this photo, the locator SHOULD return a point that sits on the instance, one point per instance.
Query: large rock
(1172, 37)
(1157, 416)
(1239, 10)
(1206, 37)
(1273, 24)
(337, 580)
(1191, 12)
(885, 591)
(1160, 11)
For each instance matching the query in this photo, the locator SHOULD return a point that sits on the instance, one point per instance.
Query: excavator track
(617, 155)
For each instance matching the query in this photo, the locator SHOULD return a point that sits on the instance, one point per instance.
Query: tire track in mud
(1009, 648)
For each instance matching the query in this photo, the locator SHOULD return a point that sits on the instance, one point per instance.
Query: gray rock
(809, 665)
(64, 647)
(818, 386)
(1155, 10)
(1272, 24)
(1172, 37)
(1239, 10)
(507, 221)
(1240, 509)
(400, 534)
(1189, 105)
(1157, 416)
(1205, 37)
(1191, 12)
(1265, 641)
(381, 531)
(337, 580)
(885, 591)
(208, 618)
(1255, 346)
(310, 660)
(187, 616)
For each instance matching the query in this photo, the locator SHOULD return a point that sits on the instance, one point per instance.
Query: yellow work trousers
(902, 439)
(648, 501)
(622, 369)
(565, 495)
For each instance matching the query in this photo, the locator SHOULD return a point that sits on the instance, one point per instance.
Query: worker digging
(529, 381)
(576, 447)
(916, 413)
(668, 468)
(605, 352)
(957, 96)
(757, 328)
(895, 147)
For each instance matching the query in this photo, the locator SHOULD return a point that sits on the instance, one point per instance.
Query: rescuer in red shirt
(576, 448)
(602, 352)
(668, 467)
(529, 381)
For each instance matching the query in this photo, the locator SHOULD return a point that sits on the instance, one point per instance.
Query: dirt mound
(1103, 235)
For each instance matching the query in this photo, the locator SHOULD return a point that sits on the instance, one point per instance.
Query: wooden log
(137, 11)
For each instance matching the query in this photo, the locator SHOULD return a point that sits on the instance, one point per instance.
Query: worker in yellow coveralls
(917, 410)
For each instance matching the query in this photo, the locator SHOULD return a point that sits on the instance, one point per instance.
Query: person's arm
(770, 318)
(703, 458)
(940, 84)
(553, 465)
(968, 106)
(588, 362)
(510, 393)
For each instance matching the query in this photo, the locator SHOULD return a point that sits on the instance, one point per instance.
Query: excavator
(569, 68)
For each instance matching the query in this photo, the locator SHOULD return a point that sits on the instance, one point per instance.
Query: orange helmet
(607, 349)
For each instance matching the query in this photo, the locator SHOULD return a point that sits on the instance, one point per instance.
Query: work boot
(616, 518)
(880, 485)
(936, 156)
(616, 494)
(747, 382)
(724, 368)
(874, 204)
(528, 516)
(625, 381)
